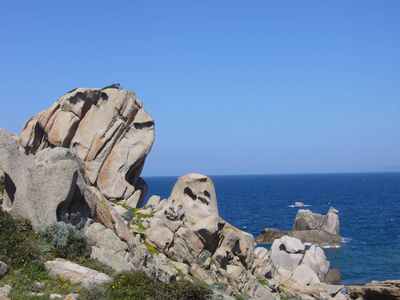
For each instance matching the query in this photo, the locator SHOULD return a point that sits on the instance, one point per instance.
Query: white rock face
(282, 258)
(315, 259)
(108, 131)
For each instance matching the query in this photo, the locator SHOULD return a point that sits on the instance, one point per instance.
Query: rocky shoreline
(80, 162)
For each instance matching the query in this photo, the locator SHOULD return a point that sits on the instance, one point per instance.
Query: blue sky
(235, 87)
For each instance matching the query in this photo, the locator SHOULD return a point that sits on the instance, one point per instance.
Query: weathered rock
(201, 274)
(333, 276)
(3, 269)
(309, 228)
(159, 235)
(292, 245)
(196, 194)
(109, 249)
(42, 188)
(108, 131)
(255, 290)
(261, 253)
(153, 201)
(4, 291)
(299, 204)
(304, 275)
(76, 273)
(208, 229)
(316, 260)
(387, 290)
(307, 220)
(281, 258)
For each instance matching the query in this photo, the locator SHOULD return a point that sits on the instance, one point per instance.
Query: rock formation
(89, 148)
(376, 290)
(108, 132)
(309, 227)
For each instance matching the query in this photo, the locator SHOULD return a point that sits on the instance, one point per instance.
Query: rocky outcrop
(307, 220)
(108, 132)
(382, 290)
(310, 228)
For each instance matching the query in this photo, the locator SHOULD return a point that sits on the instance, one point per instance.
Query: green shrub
(138, 285)
(19, 244)
(64, 240)
(2, 186)
(112, 86)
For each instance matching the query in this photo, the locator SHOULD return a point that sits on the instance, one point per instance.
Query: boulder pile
(80, 162)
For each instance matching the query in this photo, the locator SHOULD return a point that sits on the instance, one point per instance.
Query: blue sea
(368, 204)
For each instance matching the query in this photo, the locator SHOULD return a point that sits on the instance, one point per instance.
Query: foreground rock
(42, 187)
(108, 132)
(75, 273)
(386, 290)
(310, 228)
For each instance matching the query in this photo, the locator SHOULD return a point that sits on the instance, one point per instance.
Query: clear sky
(235, 87)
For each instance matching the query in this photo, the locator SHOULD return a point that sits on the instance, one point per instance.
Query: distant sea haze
(368, 204)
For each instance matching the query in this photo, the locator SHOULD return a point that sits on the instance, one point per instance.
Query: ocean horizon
(367, 203)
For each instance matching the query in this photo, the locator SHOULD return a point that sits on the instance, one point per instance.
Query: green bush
(19, 244)
(64, 240)
(138, 285)
(112, 86)
(2, 186)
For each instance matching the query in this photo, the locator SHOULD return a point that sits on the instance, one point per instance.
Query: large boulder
(43, 188)
(109, 133)
(308, 227)
(307, 220)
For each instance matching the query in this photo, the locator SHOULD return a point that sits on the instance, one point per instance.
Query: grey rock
(109, 249)
(309, 228)
(4, 291)
(108, 131)
(316, 260)
(153, 201)
(292, 245)
(71, 271)
(3, 269)
(307, 220)
(333, 276)
(48, 184)
(389, 289)
(208, 230)
(305, 275)
(281, 258)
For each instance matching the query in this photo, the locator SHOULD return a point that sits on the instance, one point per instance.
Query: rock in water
(108, 131)
(307, 220)
(309, 227)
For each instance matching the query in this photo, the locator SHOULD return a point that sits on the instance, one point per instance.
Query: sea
(368, 205)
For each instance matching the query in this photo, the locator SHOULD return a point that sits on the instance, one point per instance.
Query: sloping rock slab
(76, 273)
(382, 290)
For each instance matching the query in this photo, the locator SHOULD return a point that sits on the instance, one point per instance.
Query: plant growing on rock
(64, 240)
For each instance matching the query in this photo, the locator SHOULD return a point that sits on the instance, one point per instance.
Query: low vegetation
(25, 252)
